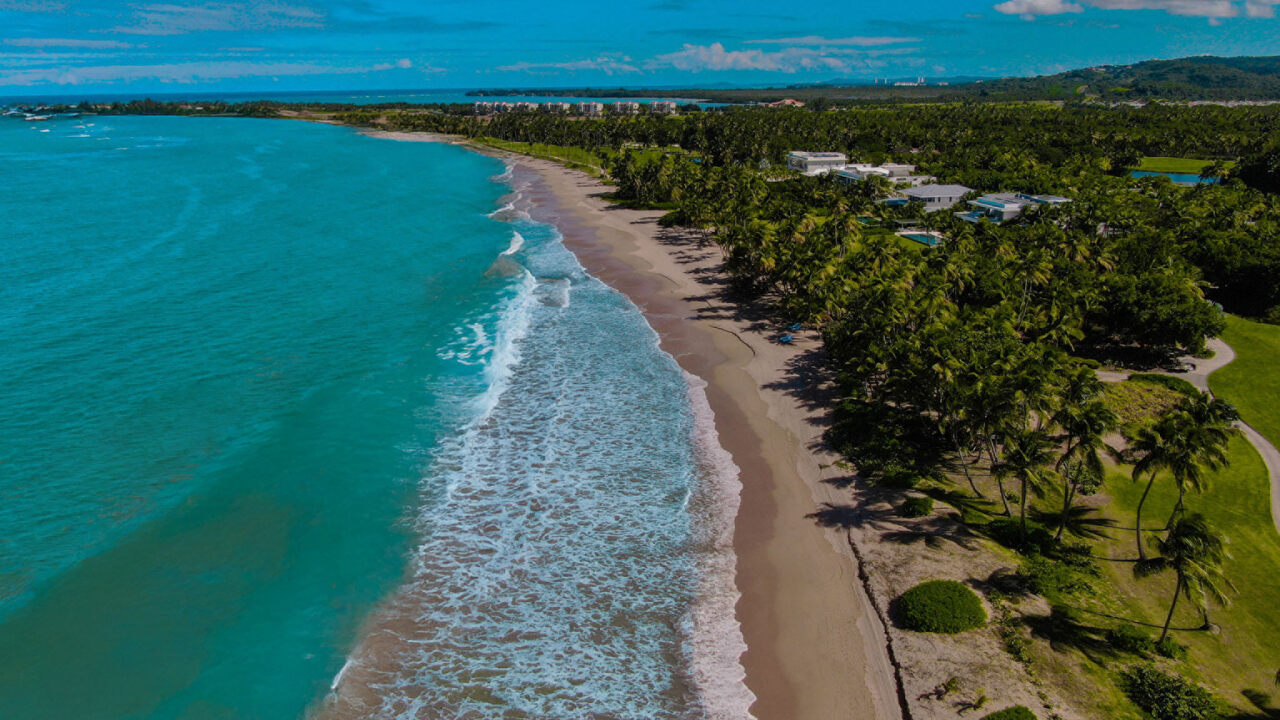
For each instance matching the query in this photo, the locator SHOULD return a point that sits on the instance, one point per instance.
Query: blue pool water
(1179, 178)
(274, 389)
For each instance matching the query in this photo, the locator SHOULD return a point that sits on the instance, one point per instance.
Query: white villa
(934, 197)
(998, 207)
(590, 108)
(663, 107)
(897, 173)
(816, 163)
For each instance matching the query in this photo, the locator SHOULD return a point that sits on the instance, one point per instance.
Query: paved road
(1199, 376)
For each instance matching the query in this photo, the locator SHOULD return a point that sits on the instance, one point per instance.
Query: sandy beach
(816, 648)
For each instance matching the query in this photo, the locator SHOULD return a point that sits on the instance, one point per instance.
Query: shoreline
(816, 645)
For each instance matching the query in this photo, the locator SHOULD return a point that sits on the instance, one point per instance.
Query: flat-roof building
(998, 207)
(934, 197)
(815, 163)
(663, 107)
(590, 108)
(556, 107)
(896, 173)
(625, 108)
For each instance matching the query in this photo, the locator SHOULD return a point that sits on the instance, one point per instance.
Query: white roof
(937, 191)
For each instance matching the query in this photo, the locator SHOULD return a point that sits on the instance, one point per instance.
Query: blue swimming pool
(1177, 178)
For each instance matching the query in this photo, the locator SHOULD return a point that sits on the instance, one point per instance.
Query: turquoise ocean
(285, 407)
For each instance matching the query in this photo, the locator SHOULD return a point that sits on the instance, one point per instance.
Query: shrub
(915, 507)
(939, 606)
(1175, 384)
(1050, 577)
(1017, 712)
(1172, 650)
(1168, 697)
(1131, 639)
(1008, 532)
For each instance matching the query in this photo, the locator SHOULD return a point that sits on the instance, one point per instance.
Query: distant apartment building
(625, 108)
(663, 107)
(526, 107)
(934, 197)
(483, 108)
(815, 163)
(556, 107)
(998, 207)
(590, 108)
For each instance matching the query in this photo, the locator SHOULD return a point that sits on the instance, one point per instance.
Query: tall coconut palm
(1085, 419)
(1185, 441)
(1027, 456)
(1195, 552)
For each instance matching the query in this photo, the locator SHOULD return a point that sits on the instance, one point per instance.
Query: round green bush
(914, 507)
(939, 606)
(1131, 639)
(1017, 712)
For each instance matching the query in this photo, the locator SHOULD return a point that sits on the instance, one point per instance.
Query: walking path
(1199, 376)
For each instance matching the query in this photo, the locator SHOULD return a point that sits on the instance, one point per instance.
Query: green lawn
(1252, 382)
(574, 157)
(1175, 165)
(1246, 656)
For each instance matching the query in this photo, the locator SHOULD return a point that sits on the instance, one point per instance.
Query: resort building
(816, 163)
(897, 173)
(998, 207)
(934, 197)
(483, 108)
(663, 107)
(786, 102)
(590, 108)
(556, 107)
(625, 108)
(526, 107)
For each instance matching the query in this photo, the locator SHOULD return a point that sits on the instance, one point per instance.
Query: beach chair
(786, 339)
(795, 327)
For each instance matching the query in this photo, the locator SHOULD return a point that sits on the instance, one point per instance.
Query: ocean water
(295, 422)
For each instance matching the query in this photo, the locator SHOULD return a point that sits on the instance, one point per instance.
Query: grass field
(1240, 664)
(1175, 165)
(1252, 382)
(574, 157)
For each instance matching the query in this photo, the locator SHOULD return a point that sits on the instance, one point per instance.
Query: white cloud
(68, 43)
(845, 41)
(1214, 10)
(1260, 8)
(697, 58)
(190, 72)
(607, 64)
(168, 19)
(1030, 8)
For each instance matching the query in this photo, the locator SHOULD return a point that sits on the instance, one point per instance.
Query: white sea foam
(517, 242)
(714, 638)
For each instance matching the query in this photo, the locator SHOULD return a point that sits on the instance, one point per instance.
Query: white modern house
(625, 108)
(998, 207)
(663, 107)
(816, 163)
(899, 174)
(934, 197)
(590, 108)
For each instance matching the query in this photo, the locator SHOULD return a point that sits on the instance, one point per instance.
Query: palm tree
(1027, 455)
(1085, 419)
(1184, 441)
(1194, 551)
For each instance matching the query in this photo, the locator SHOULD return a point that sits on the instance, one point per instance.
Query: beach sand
(816, 648)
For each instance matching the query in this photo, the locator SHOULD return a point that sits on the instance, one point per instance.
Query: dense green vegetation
(1017, 712)
(939, 606)
(1193, 78)
(1168, 697)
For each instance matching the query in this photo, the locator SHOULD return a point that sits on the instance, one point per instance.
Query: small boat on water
(36, 118)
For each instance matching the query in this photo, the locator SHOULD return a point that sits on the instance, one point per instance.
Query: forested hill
(1194, 78)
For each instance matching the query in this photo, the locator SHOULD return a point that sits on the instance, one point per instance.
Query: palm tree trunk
(1022, 512)
(991, 451)
(1177, 590)
(965, 465)
(1142, 554)
(1068, 494)
(1177, 508)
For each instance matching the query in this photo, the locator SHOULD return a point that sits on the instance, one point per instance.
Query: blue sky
(69, 47)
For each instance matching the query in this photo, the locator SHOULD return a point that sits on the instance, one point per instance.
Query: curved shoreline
(807, 622)
(816, 647)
